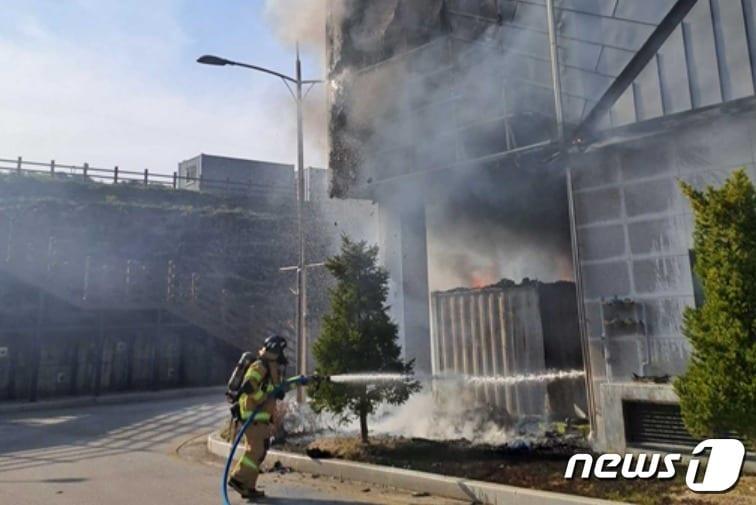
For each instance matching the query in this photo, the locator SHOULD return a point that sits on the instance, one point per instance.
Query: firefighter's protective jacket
(263, 382)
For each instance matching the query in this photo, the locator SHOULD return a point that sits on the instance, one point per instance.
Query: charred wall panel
(504, 332)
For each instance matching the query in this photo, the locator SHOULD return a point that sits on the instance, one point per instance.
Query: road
(144, 453)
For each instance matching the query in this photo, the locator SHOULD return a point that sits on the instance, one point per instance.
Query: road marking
(42, 421)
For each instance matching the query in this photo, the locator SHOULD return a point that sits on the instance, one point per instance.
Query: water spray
(377, 378)
(548, 376)
(372, 378)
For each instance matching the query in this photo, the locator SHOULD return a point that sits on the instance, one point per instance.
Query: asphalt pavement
(144, 453)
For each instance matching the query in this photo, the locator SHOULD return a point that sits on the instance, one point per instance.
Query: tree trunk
(363, 425)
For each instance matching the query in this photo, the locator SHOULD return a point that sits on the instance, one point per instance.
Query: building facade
(635, 236)
(618, 98)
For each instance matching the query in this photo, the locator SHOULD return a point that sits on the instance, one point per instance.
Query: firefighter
(261, 377)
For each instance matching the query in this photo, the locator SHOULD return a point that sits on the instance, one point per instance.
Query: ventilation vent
(655, 424)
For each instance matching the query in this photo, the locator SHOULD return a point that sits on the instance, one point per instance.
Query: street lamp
(301, 280)
(212, 60)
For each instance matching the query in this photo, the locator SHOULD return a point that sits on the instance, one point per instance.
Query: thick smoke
(296, 21)
(455, 414)
(442, 91)
(499, 225)
(428, 99)
(450, 412)
(304, 22)
(415, 85)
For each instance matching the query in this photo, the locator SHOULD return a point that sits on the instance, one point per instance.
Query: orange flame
(481, 279)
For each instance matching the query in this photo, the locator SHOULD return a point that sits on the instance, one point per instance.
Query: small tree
(358, 336)
(718, 391)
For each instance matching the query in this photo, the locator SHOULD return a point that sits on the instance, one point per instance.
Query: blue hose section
(283, 387)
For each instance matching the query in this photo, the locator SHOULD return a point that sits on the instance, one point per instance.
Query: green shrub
(718, 391)
(359, 336)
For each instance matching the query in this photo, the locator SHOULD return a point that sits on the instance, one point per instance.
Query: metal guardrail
(117, 175)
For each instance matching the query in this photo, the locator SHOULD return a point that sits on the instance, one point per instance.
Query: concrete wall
(126, 252)
(316, 183)
(634, 230)
(214, 260)
(60, 354)
(404, 253)
(332, 218)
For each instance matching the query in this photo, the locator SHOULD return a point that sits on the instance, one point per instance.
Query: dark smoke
(499, 224)
(417, 85)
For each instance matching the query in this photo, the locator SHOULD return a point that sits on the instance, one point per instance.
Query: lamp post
(298, 96)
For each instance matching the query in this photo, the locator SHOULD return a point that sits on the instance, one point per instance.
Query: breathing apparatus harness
(237, 385)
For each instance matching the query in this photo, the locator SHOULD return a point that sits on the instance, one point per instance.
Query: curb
(109, 399)
(412, 480)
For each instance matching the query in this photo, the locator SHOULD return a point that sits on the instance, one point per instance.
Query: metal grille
(655, 424)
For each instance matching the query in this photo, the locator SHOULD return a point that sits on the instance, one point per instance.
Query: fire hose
(279, 390)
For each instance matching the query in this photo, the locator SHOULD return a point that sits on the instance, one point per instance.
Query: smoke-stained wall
(422, 86)
(634, 230)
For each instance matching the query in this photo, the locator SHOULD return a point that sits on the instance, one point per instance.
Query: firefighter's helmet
(275, 344)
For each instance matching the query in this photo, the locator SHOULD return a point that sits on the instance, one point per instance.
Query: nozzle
(314, 379)
(304, 380)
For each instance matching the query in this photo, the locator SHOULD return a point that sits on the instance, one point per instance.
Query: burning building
(544, 138)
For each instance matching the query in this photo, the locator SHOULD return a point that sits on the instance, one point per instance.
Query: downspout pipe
(564, 156)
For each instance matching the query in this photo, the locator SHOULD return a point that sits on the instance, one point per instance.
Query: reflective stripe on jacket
(257, 376)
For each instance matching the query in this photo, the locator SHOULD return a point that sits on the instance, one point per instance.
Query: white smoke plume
(483, 225)
(449, 413)
(299, 21)
(449, 409)
(305, 21)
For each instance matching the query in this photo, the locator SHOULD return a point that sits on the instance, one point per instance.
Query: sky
(115, 82)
